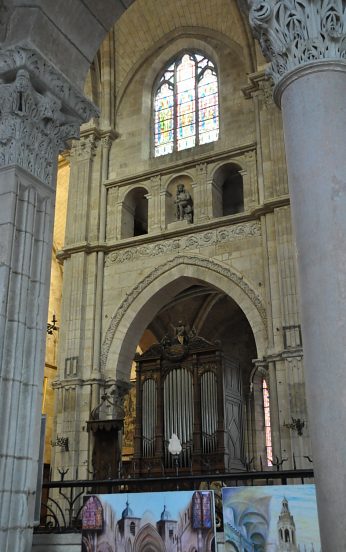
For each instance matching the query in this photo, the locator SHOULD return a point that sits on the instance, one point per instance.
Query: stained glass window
(186, 106)
(267, 426)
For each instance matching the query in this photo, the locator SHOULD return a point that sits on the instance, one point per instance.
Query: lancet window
(186, 105)
(267, 425)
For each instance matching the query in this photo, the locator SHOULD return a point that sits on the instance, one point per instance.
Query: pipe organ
(186, 387)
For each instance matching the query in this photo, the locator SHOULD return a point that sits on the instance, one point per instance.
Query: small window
(186, 105)
(267, 425)
(133, 528)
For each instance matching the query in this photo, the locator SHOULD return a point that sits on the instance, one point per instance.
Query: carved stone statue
(181, 334)
(184, 204)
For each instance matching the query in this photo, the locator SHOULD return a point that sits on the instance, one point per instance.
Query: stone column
(40, 110)
(200, 197)
(305, 41)
(154, 205)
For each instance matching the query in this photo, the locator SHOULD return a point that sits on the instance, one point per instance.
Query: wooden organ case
(186, 387)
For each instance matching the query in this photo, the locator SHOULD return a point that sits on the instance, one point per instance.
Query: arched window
(267, 426)
(186, 105)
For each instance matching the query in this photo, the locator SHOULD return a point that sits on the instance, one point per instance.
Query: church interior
(174, 302)
(220, 263)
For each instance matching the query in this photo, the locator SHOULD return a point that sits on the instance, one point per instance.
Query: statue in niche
(184, 204)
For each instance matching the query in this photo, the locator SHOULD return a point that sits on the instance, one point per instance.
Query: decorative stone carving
(50, 79)
(184, 204)
(108, 139)
(39, 113)
(86, 147)
(111, 406)
(296, 32)
(176, 245)
(156, 273)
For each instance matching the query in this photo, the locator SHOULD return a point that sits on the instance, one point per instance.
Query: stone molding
(177, 245)
(298, 32)
(40, 112)
(162, 269)
(259, 83)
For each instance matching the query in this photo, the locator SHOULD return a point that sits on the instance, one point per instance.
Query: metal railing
(63, 500)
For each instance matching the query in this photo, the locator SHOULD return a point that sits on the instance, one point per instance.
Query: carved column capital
(295, 33)
(85, 147)
(40, 112)
(107, 139)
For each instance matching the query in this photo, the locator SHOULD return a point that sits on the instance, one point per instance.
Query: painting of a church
(271, 519)
(182, 521)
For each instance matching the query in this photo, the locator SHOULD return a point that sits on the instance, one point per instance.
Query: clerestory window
(186, 105)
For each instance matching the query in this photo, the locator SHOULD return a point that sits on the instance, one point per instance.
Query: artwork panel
(186, 74)
(173, 520)
(163, 149)
(209, 136)
(164, 138)
(273, 518)
(164, 117)
(207, 123)
(164, 97)
(185, 143)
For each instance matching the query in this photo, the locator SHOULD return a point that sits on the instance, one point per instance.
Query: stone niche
(175, 220)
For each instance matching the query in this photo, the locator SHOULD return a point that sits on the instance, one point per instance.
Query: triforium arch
(157, 289)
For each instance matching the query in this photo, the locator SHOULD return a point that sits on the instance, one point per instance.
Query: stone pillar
(40, 110)
(154, 205)
(200, 197)
(305, 41)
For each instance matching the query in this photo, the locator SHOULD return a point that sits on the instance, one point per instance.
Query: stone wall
(115, 284)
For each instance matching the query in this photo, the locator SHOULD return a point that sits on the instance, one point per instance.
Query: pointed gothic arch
(148, 540)
(157, 288)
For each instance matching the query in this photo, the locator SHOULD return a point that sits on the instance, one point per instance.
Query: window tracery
(186, 105)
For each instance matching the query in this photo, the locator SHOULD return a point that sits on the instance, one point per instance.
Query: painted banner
(276, 518)
(141, 522)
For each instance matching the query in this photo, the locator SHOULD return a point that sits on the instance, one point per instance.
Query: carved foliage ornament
(39, 112)
(295, 32)
(32, 127)
(49, 78)
(177, 245)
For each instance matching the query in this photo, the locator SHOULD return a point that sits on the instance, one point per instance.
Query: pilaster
(154, 205)
(40, 110)
(201, 203)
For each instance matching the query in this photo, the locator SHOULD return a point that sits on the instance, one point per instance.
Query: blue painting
(145, 522)
(276, 518)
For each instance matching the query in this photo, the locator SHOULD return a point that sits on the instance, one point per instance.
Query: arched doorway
(186, 399)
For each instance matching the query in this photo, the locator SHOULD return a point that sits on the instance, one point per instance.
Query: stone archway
(164, 282)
